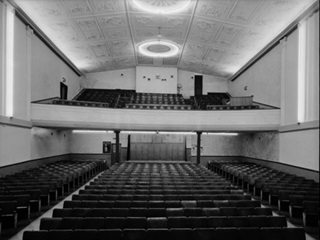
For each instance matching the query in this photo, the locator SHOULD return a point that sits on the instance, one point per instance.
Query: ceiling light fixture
(162, 6)
(158, 48)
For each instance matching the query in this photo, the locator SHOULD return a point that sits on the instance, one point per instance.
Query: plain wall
(14, 144)
(47, 71)
(92, 142)
(216, 145)
(261, 145)
(210, 83)
(1, 59)
(300, 148)
(262, 79)
(112, 79)
(49, 142)
(21, 101)
(156, 79)
(290, 96)
(24, 144)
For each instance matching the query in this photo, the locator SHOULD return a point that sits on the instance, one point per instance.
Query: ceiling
(215, 37)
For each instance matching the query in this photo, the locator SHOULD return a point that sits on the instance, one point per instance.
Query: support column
(198, 146)
(117, 146)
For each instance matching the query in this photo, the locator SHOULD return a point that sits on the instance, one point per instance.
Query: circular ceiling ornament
(162, 6)
(158, 48)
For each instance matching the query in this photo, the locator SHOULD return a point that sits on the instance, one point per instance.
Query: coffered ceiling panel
(215, 37)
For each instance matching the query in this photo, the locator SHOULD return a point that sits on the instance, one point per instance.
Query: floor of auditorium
(36, 223)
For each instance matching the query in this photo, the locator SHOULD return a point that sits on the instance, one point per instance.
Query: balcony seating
(80, 103)
(213, 99)
(157, 101)
(119, 98)
(227, 107)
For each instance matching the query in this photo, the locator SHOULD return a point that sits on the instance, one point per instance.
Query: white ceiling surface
(215, 37)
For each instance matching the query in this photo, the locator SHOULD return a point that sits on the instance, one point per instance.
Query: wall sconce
(149, 79)
(64, 80)
(121, 74)
(191, 77)
(172, 76)
(144, 76)
(245, 88)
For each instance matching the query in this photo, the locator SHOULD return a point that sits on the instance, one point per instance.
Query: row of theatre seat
(160, 200)
(161, 222)
(33, 189)
(170, 211)
(159, 106)
(80, 103)
(227, 107)
(170, 234)
(292, 195)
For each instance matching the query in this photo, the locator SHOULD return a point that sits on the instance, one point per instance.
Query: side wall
(47, 71)
(299, 138)
(23, 148)
(262, 80)
(37, 75)
(274, 80)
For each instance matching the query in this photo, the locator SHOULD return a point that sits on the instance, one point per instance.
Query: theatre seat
(181, 234)
(249, 233)
(158, 234)
(203, 233)
(170, 212)
(198, 222)
(114, 223)
(218, 222)
(177, 222)
(60, 234)
(134, 234)
(156, 212)
(294, 233)
(226, 234)
(93, 223)
(157, 222)
(136, 222)
(138, 212)
(273, 233)
(100, 212)
(277, 221)
(35, 235)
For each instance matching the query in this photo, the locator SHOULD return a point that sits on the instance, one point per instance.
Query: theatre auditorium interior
(159, 119)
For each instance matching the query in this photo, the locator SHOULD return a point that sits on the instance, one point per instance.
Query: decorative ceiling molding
(216, 37)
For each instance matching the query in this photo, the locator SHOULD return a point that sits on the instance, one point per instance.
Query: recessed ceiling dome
(157, 48)
(162, 6)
